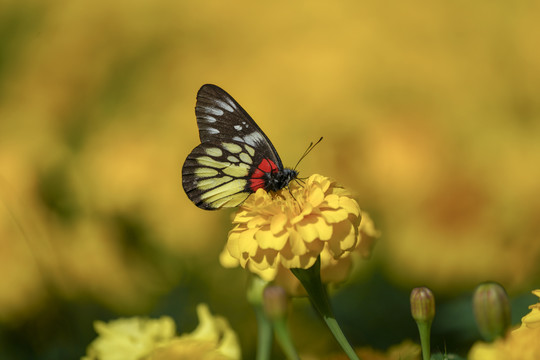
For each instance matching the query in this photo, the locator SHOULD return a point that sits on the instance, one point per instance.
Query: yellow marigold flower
(213, 339)
(334, 271)
(138, 338)
(522, 343)
(130, 338)
(275, 232)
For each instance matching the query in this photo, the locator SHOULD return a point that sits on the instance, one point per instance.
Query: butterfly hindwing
(233, 156)
(211, 179)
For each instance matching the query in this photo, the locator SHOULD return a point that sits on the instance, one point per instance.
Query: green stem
(424, 328)
(284, 339)
(311, 280)
(264, 334)
(340, 337)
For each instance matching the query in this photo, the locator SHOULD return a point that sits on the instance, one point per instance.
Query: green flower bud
(491, 310)
(422, 305)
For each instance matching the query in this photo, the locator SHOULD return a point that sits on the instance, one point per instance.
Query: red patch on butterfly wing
(266, 166)
(256, 184)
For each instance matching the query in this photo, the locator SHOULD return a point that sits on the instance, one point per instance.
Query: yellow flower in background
(532, 319)
(523, 343)
(213, 339)
(274, 233)
(129, 339)
(138, 338)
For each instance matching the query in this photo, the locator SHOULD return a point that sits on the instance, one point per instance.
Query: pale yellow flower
(213, 339)
(523, 343)
(130, 338)
(138, 338)
(276, 232)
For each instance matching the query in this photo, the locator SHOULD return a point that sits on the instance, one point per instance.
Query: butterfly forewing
(223, 170)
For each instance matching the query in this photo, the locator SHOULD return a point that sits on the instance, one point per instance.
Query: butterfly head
(280, 179)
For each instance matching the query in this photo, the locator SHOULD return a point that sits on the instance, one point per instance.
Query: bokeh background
(430, 114)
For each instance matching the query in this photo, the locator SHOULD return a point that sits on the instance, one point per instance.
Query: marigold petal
(267, 274)
(297, 245)
(316, 197)
(267, 240)
(232, 244)
(350, 205)
(291, 263)
(307, 260)
(332, 201)
(303, 261)
(246, 242)
(307, 229)
(261, 262)
(350, 240)
(334, 216)
(226, 260)
(321, 181)
(532, 319)
(278, 222)
(314, 228)
(242, 216)
(245, 233)
(344, 238)
(325, 230)
(308, 209)
(256, 222)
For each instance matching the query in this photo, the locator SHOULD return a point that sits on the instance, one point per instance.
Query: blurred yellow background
(430, 114)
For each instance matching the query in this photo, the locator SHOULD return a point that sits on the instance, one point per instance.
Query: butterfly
(235, 157)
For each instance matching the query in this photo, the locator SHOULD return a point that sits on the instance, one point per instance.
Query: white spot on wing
(238, 139)
(224, 105)
(208, 118)
(253, 138)
(231, 103)
(213, 111)
(237, 127)
(211, 130)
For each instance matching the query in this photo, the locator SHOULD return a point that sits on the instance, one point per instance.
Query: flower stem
(424, 328)
(264, 335)
(284, 339)
(311, 280)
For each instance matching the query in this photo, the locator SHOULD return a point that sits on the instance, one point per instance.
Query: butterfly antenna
(308, 150)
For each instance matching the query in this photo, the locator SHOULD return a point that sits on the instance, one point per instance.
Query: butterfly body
(234, 159)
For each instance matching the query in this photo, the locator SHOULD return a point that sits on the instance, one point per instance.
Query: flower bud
(422, 305)
(275, 302)
(491, 310)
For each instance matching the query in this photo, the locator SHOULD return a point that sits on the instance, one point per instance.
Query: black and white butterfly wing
(225, 168)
